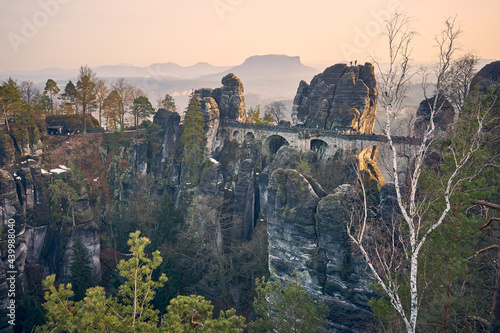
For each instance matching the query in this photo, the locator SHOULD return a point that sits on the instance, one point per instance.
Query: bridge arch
(249, 136)
(222, 135)
(318, 146)
(274, 142)
(237, 136)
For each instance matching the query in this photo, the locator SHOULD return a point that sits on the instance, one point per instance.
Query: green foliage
(254, 115)
(194, 314)
(141, 109)
(286, 307)
(86, 92)
(139, 288)
(194, 140)
(52, 90)
(111, 107)
(268, 119)
(80, 269)
(63, 197)
(168, 103)
(304, 167)
(132, 310)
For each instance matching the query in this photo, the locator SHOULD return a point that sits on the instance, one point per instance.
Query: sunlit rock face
(342, 97)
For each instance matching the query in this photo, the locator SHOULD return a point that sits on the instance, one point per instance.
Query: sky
(37, 34)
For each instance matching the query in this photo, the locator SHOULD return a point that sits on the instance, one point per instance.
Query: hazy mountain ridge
(163, 70)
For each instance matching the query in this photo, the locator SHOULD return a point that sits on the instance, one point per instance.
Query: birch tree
(392, 248)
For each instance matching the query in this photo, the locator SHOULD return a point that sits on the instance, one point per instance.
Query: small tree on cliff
(193, 139)
(287, 307)
(52, 90)
(132, 310)
(168, 103)
(80, 269)
(10, 100)
(86, 92)
(141, 109)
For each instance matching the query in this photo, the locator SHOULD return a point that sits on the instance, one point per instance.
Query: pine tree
(286, 307)
(168, 103)
(10, 100)
(141, 109)
(194, 140)
(52, 89)
(80, 269)
(132, 310)
(86, 92)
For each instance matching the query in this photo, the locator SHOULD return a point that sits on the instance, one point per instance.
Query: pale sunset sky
(37, 34)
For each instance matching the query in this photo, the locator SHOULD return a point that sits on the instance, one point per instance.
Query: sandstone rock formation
(211, 113)
(341, 97)
(487, 76)
(308, 233)
(368, 166)
(443, 118)
(344, 282)
(169, 122)
(244, 198)
(230, 98)
(291, 226)
(42, 247)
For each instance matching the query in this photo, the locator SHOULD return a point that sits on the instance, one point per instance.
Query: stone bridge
(325, 142)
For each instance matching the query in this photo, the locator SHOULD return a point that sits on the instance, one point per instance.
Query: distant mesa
(267, 67)
(342, 97)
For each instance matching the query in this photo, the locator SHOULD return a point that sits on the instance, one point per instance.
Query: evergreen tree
(111, 108)
(141, 109)
(132, 311)
(287, 307)
(52, 89)
(70, 94)
(168, 103)
(80, 269)
(254, 115)
(10, 100)
(194, 140)
(86, 92)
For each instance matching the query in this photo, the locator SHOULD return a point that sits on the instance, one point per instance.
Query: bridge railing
(314, 133)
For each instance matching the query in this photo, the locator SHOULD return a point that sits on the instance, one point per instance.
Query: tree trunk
(495, 320)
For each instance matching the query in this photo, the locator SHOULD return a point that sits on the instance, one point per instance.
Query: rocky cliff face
(308, 233)
(230, 98)
(341, 97)
(442, 120)
(487, 76)
(169, 122)
(42, 247)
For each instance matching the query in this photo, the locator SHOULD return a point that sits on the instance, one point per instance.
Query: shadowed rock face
(169, 122)
(341, 97)
(291, 225)
(487, 76)
(442, 120)
(230, 98)
(309, 234)
(41, 248)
